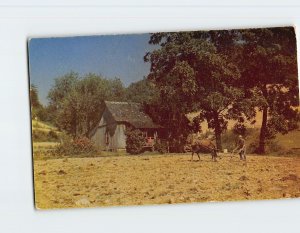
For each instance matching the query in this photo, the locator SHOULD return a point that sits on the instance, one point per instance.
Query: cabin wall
(99, 137)
(116, 139)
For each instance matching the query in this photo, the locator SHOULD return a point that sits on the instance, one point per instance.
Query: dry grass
(36, 124)
(44, 127)
(41, 146)
(156, 179)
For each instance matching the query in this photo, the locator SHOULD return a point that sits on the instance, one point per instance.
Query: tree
(193, 73)
(61, 88)
(34, 100)
(269, 76)
(76, 100)
(143, 91)
(37, 109)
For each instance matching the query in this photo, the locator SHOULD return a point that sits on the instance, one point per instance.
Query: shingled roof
(131, 113)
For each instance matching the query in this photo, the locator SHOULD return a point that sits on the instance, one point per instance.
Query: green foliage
(37, 109)
(190, 68)
(143, 91)
(34, 100)
(269, 75)
(76, 101)
(177, 126)
(196, 124)
(227, 75)
(134, 141)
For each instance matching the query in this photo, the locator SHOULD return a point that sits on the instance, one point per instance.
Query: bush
(161, 146)
(134, 141)
(80, 145)
(273, 146)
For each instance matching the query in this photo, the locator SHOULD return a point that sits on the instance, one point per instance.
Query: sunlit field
(167, 179)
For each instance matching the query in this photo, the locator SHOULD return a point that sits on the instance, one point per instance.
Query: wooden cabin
(109, 133)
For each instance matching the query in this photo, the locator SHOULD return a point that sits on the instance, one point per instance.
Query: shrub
(273, 146)
(134, 141)
(161, 146)
(80, 145)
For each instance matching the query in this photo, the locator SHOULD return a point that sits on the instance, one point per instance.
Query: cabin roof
(132, 113)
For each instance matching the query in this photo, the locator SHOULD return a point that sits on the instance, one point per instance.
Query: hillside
(43, 132)
(42, 126)
(290, 140)
(231, 123)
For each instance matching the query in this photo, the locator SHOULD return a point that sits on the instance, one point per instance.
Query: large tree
(142, 91)
(269, 75)
(194, 73)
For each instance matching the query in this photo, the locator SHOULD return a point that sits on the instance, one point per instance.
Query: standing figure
(241, 148)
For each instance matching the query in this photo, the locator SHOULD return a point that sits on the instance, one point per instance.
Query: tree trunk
(218, 131)
(263, 131)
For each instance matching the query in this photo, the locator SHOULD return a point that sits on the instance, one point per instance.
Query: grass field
(156, 179)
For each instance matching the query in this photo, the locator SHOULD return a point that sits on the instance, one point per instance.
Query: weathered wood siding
(118, 139)
(113, 130)
(99, 137)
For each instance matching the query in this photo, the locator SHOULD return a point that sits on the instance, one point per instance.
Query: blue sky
(111, 56)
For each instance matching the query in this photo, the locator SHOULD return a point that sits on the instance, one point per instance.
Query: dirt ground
(156, 179)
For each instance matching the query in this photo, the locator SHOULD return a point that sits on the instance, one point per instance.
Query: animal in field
(199, 145)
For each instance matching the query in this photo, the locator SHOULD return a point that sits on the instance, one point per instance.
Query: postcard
(165, 118)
